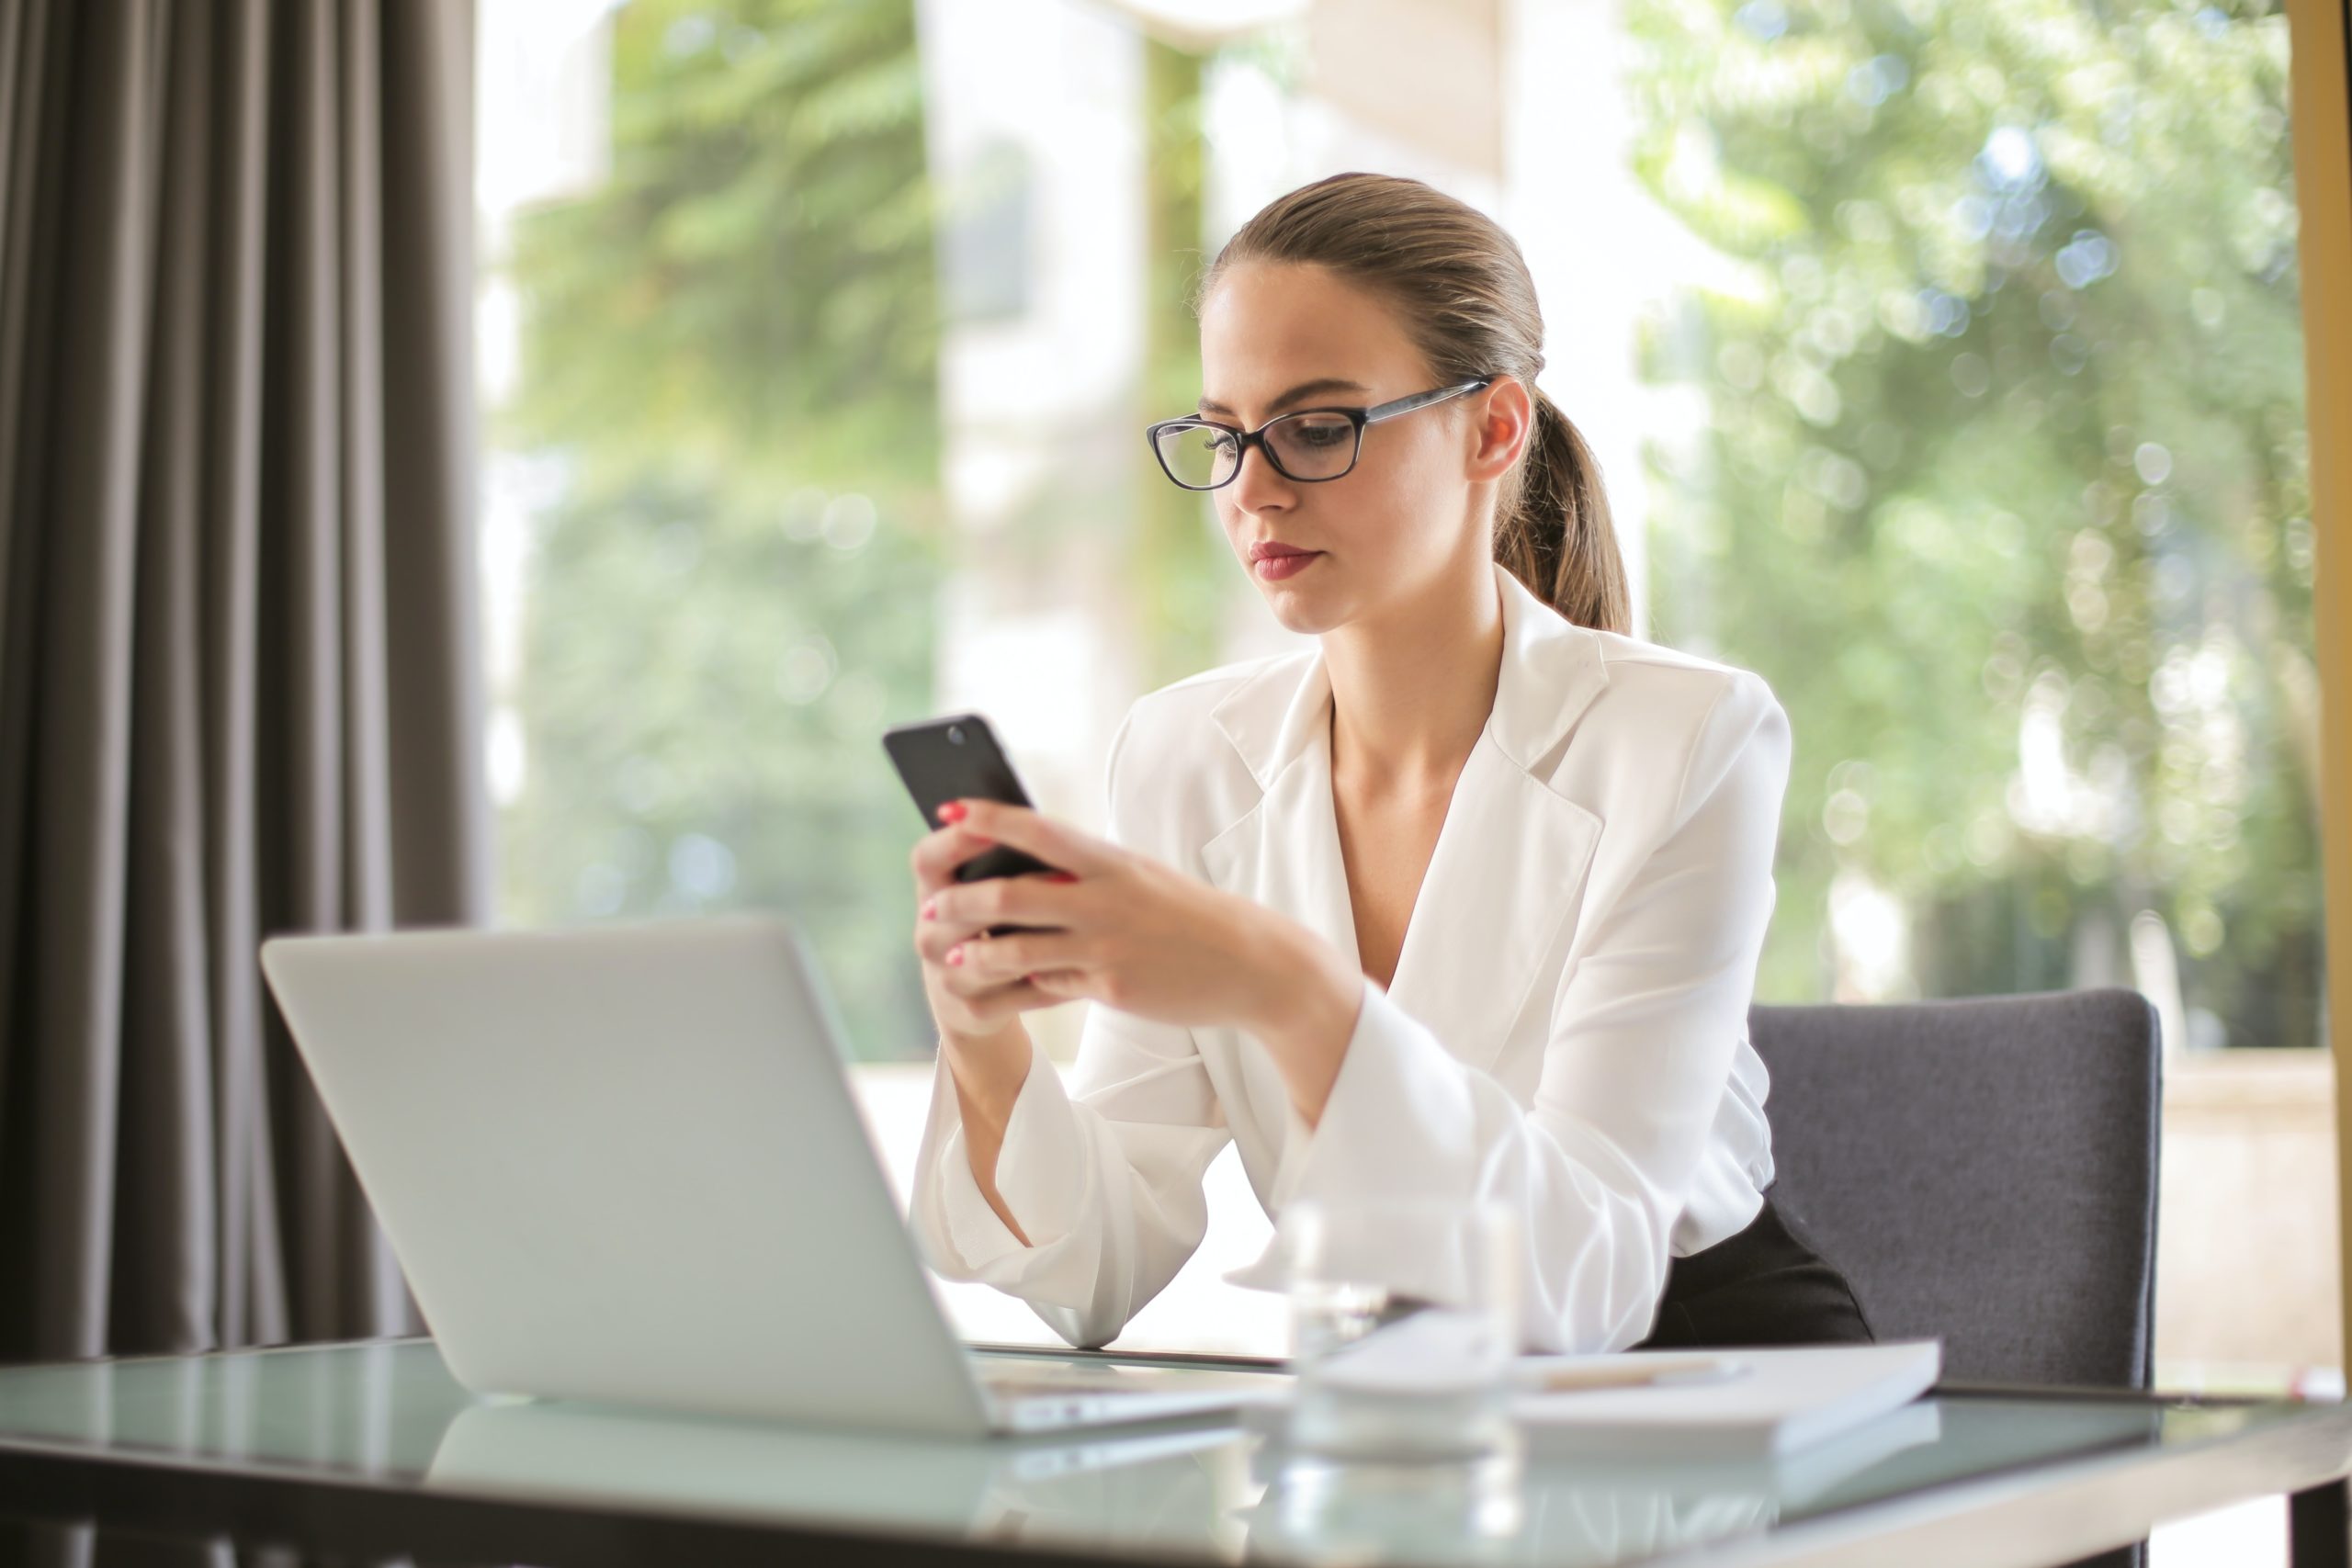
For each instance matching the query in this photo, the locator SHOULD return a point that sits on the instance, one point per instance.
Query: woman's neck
(1411, 688)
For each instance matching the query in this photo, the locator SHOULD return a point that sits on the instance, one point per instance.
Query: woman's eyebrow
(1304, 390)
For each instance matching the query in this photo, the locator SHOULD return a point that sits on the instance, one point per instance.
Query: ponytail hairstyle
(1463, 293)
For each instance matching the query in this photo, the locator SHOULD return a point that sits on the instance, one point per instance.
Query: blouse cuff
(1395, 1125)
(1038, 1169)
(1399, 1118)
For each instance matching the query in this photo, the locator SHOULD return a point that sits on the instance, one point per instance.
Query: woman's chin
(1301, 610)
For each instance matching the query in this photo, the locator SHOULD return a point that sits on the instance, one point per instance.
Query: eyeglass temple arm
(1423, 399)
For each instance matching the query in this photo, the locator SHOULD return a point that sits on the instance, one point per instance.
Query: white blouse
(1566, 1029)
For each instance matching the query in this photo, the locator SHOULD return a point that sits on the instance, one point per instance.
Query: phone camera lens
(955, 735)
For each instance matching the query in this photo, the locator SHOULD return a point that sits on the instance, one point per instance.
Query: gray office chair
(1984, 1170)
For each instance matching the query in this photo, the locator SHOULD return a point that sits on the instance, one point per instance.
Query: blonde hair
(1462, 294)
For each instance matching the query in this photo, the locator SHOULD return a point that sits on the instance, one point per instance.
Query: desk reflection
(1514, 1511)
(1198, 1490)
(389, 1415)
(1111, 1482)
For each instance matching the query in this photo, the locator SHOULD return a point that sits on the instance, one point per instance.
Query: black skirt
(1763, 1286)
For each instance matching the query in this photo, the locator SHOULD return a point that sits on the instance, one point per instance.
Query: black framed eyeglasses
(1308, 445)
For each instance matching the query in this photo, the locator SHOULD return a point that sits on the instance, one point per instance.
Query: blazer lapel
(1284, 852)
(1509, 865)
(1510, 858)
(1511, 862)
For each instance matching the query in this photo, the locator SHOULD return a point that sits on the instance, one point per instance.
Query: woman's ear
(1504, 421)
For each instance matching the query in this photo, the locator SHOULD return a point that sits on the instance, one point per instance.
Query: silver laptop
(623, 1164)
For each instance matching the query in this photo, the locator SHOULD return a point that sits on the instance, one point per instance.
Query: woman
(1466, 901)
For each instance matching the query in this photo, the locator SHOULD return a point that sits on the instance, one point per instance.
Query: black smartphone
(957, 757)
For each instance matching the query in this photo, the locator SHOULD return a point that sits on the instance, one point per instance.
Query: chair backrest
(1984, 1170)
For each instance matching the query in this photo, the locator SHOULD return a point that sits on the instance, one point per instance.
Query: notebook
(1775, 1402)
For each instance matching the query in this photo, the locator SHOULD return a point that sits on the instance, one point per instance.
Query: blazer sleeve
(1105, 1176)
(1643, 1029)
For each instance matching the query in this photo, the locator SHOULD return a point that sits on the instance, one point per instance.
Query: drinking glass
(1404, 1327)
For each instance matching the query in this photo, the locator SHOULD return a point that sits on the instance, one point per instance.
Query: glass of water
(1404, 1327)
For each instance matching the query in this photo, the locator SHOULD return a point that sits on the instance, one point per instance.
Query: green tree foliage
(729, 373)
(2004, 486)
(1180, 560)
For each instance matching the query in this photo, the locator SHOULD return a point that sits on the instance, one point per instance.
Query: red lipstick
(1273, 562)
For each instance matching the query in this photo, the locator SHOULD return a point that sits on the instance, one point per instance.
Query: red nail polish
(930, 908)
(1061, 876)
(956, 955)
(954, 811)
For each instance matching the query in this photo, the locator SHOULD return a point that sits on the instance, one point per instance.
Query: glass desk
(371, 1450)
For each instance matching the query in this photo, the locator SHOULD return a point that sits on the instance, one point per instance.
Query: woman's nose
(1260, 486)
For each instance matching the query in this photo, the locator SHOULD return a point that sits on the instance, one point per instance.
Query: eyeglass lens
(1304, 445)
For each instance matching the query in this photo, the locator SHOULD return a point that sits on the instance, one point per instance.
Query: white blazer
(1566, 1029)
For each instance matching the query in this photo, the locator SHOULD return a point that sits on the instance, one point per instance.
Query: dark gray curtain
(237, 644)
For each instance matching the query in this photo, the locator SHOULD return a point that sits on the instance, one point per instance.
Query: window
(1944, 359)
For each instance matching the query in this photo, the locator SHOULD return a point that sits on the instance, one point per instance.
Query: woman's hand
(969, 1011)
(1124, 930)
(987, 1053)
